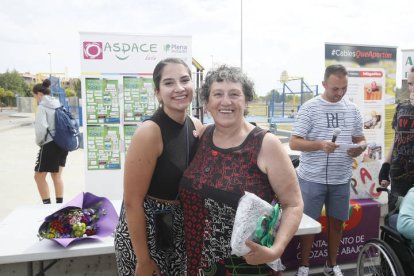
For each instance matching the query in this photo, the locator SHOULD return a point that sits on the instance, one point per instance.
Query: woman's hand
(147, 268)
(261, 254)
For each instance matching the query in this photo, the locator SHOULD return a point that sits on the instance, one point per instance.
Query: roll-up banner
(407, 62)
(117, 95)
(371, 86)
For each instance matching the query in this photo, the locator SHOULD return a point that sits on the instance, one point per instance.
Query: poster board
(371, 86)
(117, 96)
(407, 62)
(363, 214)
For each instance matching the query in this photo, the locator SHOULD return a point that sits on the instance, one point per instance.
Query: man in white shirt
(325, 169)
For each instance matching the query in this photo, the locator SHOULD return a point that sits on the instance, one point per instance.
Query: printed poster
(366, 88)
(407, 62)
(93, 89)
(403, 94)
(139, 99)
(103, 147)
(102, 101)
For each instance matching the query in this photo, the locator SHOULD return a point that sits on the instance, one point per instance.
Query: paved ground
(17, 161)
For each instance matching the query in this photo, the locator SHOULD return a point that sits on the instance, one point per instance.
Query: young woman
(51, 157)
(160, 151)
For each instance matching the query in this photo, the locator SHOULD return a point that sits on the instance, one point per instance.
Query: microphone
(336, 132)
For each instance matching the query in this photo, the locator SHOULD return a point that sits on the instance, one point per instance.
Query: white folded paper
(249, 210)
(350, 146)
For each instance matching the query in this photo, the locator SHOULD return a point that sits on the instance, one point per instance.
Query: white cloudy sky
(277, 35)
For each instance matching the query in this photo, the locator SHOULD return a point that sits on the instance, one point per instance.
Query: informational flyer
(102, 101)
(129, 131)
(139, 99)
(103, 147)
(111, 101)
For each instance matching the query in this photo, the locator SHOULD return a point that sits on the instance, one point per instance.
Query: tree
(77, 87)
(12, 81)
(5, 96)
(70, 92)
(277, 96)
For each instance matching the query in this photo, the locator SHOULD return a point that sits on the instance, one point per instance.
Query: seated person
(405, 222)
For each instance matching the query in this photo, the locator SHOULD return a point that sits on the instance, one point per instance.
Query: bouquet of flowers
(86, 216)
(255, 220)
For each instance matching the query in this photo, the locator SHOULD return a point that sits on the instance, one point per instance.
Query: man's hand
(354, 152)
(329, 147)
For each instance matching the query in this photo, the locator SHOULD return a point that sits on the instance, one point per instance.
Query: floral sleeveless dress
(209, 192)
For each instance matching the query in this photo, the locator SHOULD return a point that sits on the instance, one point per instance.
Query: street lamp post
(50, 63)
(241, 35)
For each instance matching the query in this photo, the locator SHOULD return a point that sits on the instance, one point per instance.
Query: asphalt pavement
(17, 161)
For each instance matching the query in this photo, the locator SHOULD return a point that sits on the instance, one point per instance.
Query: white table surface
(308, 226)
(19, 241)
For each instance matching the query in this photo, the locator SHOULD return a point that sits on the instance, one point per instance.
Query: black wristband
(384, 173)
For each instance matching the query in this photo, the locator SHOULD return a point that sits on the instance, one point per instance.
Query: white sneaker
(303, 271)
(332, 271)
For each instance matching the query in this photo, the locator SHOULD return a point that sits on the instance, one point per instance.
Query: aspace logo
(175, 48)
(122, 50)
(92, 50)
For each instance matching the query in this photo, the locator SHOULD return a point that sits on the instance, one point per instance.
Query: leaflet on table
(103, 147)
(102, 101)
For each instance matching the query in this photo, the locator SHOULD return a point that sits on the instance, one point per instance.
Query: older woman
(234, 156)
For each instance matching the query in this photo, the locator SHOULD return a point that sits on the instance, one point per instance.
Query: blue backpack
(66, 130)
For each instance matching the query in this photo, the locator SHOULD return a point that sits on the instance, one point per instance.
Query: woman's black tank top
(179, 146)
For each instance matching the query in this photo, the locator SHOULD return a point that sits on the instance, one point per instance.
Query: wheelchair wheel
(377, 258)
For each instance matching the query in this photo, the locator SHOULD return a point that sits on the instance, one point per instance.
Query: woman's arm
(41, 125)
(275, 162)
(405, 222)
(143, 152)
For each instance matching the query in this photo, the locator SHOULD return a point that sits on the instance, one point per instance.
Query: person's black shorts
(50, 158)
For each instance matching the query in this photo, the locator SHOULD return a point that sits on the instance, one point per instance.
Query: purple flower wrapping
(85, 216)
